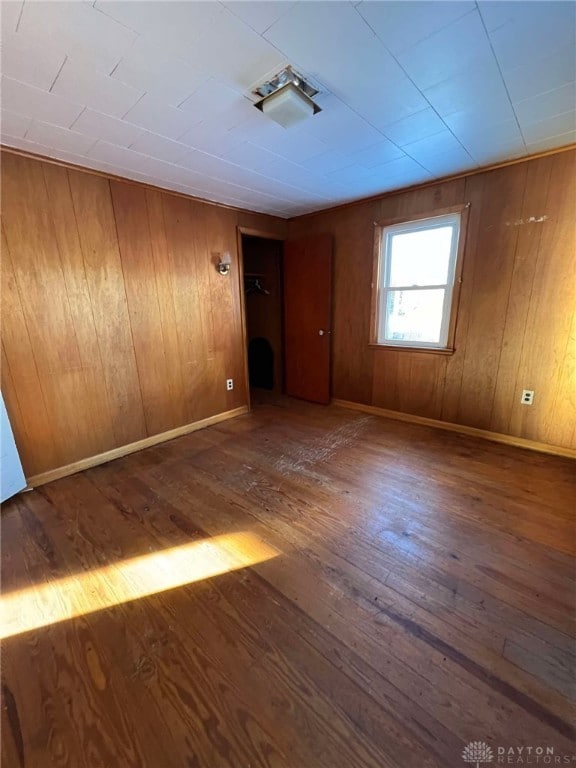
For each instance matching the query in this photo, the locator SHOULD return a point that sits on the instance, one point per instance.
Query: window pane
(421, 257)
(415, 316)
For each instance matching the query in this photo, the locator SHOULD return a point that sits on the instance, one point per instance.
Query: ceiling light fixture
(287, 99)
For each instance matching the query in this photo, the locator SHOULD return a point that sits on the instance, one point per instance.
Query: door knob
(321, 332)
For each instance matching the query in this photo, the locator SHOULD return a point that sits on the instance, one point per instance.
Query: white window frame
(453, 219)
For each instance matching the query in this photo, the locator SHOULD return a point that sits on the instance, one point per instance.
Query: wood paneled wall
(115, 323)
(516, 326)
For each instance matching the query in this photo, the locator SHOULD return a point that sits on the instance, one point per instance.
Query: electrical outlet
(229, 384)
(527, 397)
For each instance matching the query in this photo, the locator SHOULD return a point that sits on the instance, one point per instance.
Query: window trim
(378, 265)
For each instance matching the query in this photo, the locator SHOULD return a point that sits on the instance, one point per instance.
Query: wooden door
(308, 317)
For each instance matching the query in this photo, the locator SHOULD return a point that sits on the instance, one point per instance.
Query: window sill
(401, 348)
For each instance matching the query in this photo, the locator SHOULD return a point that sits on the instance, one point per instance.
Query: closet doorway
(288, 313)
(263, 301)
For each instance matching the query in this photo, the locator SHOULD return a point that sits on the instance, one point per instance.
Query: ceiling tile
(443, 143)
(39, 70)
(352, 174)
(94, 89)
(12, 124)
(81, 31)
(448, 52)
(118, 156)
(332, 160)
(240, 56)
(212, 138)
(157, 146)
(31, 146)
(297, 147)
(296, 175)
(211, 98)
(38, 104)
(471, 125)
(485, 142)
(219, 186)
(554, 126)
(541, 74)
(497, 14)
(497, 151)
(448, 163)
(176, 26)
(382, 104)
(519, 31)
(59, 138)
(383, 152)
(312, 35)
(400, 24)
(259, 15)
(418, 126)
(546, 105)
(10, 15)
(160, 169)
(107, 128)
(251, 156)
(241, 115)
(217, 168)
(151, 69)
(156, 116)
(479, 88)
(563, 140)
(340, 128)
(403, 166)
(388, 177)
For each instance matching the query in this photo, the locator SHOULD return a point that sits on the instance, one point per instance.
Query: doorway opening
(263, 300)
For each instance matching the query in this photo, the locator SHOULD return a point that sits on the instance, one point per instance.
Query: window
(416, 273)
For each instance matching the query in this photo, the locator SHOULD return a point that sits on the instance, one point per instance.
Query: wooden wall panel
(25, 402)
(97, 231)
(516, 326)
(134, 240)
(506, 406)
(548, 339)
(116, 325)
(165, 275)
(492, 255)
(81, 390)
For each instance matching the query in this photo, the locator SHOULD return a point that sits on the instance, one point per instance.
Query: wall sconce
(225, 263)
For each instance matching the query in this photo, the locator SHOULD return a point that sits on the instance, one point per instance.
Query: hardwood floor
(419, 595)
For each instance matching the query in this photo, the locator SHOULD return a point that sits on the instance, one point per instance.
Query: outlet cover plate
(527, 397)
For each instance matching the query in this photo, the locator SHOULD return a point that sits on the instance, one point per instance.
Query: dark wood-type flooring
(423, 598)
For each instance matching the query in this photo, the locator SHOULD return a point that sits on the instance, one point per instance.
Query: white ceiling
(161, 91)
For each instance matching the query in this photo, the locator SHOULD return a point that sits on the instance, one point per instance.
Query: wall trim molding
(495, 437)
(124, 450)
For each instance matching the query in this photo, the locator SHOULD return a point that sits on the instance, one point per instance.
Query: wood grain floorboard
(422, 596)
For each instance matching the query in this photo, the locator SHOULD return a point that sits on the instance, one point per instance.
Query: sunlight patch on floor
(126, 580)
